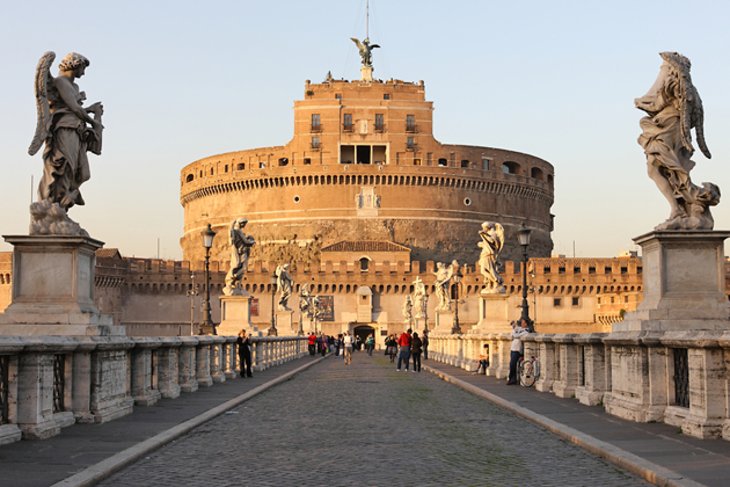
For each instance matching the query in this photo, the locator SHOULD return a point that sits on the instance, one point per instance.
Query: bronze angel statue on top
(366, 50)
(674, 108)
(68, 130)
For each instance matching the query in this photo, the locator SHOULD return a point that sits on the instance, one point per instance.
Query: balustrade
(687, 373)
(47, 383)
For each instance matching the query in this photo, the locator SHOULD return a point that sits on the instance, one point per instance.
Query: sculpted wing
(43, 84)
(357, 43)
(499, 230)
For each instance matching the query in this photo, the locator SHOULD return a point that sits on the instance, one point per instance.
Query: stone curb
(98, 472)
(645, 469)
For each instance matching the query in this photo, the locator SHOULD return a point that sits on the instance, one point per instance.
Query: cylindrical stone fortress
(363, 165)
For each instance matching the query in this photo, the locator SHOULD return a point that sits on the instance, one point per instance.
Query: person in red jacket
(312, 343)
(404, 342)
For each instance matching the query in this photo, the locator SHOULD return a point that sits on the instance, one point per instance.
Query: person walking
(518, 331)
(425, 344)
(244, 353)
(404, 354)
(347, 340)
(416, 348)
(370, 344)
(312, 343)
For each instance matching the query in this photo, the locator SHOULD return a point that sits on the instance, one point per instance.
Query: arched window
(536, 173)
(364, 264)
(510, 167)
(189, 178)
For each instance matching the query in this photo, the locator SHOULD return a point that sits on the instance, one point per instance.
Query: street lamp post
(272, 331)
(524, 236)
(191, 293)
(208, 327)
(456, 329)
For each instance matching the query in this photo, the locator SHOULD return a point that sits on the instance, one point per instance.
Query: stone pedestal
(684, 283)
(235, 314)
(53, 288)
(285, 323)
(444, 322)
(493, 314)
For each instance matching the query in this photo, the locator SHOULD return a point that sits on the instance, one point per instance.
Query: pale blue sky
(182, 80)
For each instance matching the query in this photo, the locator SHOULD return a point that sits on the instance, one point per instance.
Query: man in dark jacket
(244, 353)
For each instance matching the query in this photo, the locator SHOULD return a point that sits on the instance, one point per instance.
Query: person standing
(370, 344)
(416, 348)
(244, 353)
(347, 340)
(404, 355)
(518, 331)
(425, 344)
(391, 346)
(312, 343)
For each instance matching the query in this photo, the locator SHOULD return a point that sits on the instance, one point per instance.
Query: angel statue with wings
(366, 50)
(674, 108)
(492, 235)
(68, 130)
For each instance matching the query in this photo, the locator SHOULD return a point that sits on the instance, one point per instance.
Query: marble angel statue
(284, 285)
(492, 242)
(240, 250)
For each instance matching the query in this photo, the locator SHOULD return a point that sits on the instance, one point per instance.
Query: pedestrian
(244, 353)
(338, 345)
(518, 331)
(312, 343)
(416, 348)
(370, 344)
(358, 343)
(404, 354)
(425, 344)
(323, 344)
(347, 340)
(391, 347)
(483, 360)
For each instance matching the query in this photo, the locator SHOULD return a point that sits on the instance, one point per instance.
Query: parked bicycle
(528, 371)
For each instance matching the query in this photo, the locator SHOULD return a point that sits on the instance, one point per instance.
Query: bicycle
(528, 371)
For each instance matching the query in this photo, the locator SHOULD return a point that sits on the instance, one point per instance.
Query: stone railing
(686, 374)
(49, 382)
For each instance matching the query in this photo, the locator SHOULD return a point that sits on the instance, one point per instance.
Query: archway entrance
(363, 331)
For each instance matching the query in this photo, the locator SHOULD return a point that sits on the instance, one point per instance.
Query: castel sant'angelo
(364, 165)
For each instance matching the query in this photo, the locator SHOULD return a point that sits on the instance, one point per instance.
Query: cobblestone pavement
(369, 425)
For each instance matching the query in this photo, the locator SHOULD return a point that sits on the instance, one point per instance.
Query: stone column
(81, 396)
(503, 350)
(565, 384)
(229, 354)
(217, 372)
(202, 361)
(187, 364)
(594, 355)
(549, 365)
(11, 347)
(168, 361)
(110, 366)
(143, 391)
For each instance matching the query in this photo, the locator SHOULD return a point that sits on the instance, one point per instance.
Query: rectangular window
(410, 143)
(379, 122)
(576, 269)
(464, 163)
(557, 302)
(639, 270)
(613, 300)
(315, 142)
(592, 269)
(485, 164)
(607, 270)
(386, 96)
(307, 161)
(561, 269)
(546, 269)
(626, 299)
(599, 300)
(316, 125)
(576, 301)
(338, 96)
(347, 122)
(624, 270)
(262, 165)
(416, 162)
(443, 162)
(410, 123)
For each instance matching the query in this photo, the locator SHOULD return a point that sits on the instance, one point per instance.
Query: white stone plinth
(53, 288)
(444, 322)
(493, 314)
(235, 314)
(285, 323)
(684, 283)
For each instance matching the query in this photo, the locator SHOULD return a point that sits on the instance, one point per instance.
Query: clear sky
(181, 80)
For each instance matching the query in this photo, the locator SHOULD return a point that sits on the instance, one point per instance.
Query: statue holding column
(240, 250)
(492, 242)
(674, 108)
(67, 130)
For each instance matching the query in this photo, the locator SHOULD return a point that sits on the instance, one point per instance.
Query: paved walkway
(365, 425)
(370, 425)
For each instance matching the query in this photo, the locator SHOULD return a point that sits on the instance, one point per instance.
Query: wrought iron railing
(4, 386)
(681, 377)
(59, 383)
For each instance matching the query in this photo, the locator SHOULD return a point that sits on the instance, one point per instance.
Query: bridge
(305, 420)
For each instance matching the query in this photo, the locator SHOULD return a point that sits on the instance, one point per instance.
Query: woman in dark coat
(244, 353)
